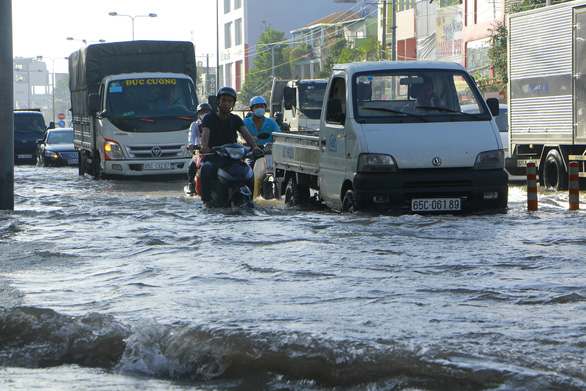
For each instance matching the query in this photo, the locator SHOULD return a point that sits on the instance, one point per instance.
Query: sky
(41, 27)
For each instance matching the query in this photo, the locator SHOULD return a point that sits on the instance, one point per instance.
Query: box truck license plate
(435, 204)
(156, 166)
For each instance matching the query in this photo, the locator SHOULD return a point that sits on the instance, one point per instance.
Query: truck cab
(300, 101)
(404, 137)
(398, 136)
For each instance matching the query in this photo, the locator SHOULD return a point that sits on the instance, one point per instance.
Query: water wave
(235, 358)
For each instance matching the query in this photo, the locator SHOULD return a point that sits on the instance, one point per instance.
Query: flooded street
(131, 285)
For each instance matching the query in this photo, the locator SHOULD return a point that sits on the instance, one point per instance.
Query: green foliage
(259, 79)
(342, 53)
(332, 58)
(497, 54)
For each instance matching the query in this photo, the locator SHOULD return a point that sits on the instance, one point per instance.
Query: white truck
(132, 105)
(381, 145)
(300, 101)
(547, 91)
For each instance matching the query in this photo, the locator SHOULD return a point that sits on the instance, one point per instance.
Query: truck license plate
(156, 166)
(435, 204)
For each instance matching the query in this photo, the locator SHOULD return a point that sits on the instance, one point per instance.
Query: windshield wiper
(446, 110)
(396, 112)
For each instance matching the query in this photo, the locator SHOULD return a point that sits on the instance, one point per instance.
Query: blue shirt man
(258, 123)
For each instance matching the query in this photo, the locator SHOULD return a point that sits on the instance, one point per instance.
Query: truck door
(333, 143)
(579, 78)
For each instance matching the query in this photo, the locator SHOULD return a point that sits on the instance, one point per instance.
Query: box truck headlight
(112, 150)
(490, 160)
(373, 162)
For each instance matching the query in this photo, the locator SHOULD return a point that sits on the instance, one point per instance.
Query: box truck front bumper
(144, 167)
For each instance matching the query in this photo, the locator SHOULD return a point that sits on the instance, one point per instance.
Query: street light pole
(133, 17)
(85, 41)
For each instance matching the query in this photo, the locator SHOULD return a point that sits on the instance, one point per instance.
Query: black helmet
(226, 91)
(204, 106)
(278, 114)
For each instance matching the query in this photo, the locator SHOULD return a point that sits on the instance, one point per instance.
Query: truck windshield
(311, 97)
(151, 98)
(417, 96)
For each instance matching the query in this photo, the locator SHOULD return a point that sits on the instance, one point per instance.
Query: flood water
(117, 285)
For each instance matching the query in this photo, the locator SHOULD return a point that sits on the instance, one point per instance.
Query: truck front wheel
(350, 202)
(296, 194)
(555, 176)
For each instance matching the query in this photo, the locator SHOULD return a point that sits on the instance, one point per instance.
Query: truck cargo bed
(297, 151)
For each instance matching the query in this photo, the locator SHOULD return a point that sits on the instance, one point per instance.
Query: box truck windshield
(417, 96)
(151, 98)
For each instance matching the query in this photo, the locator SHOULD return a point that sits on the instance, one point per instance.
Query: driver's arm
(249, 139)
(205, 138)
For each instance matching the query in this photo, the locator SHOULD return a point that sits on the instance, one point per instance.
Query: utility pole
(384, 54)
(6, 108)
(207, 74)
(394, 27)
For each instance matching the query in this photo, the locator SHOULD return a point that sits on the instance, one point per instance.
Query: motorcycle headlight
(490, 160)
(112, 150)
(374, 162)
(236, 153)
(268, 149)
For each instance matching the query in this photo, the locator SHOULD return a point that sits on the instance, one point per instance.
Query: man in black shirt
(220, 128)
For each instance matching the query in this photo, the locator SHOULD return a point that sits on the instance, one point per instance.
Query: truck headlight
(490, 160)
(374, 162)
(112, 150)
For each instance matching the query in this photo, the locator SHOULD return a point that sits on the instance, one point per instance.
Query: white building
(241, 23)
(31, 82)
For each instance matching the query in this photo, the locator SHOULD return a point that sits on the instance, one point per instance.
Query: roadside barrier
(531, 186)
(574, 186)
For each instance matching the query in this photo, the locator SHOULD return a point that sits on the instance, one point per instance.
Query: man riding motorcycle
(220, 128)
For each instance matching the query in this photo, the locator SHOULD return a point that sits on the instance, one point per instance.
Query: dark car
(29, 126)
(56, 148)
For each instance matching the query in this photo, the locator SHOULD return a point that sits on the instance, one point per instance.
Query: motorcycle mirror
(263, 136)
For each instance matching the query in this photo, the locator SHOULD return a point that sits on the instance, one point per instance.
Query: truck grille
(155, 151)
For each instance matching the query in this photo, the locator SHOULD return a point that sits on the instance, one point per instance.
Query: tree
(341, 53)
(271, 47)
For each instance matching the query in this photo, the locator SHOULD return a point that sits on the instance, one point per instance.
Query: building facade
(242, 22)
(31, 83)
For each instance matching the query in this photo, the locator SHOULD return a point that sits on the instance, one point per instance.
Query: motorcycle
(231, 188)
(265, 184)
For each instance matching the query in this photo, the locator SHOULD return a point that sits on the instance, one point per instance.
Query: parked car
(29, 126)
(56, 148)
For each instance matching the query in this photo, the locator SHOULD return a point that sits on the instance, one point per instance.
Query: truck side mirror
(94, 102)
(493, 106)
(334, 111)
(289, 97)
